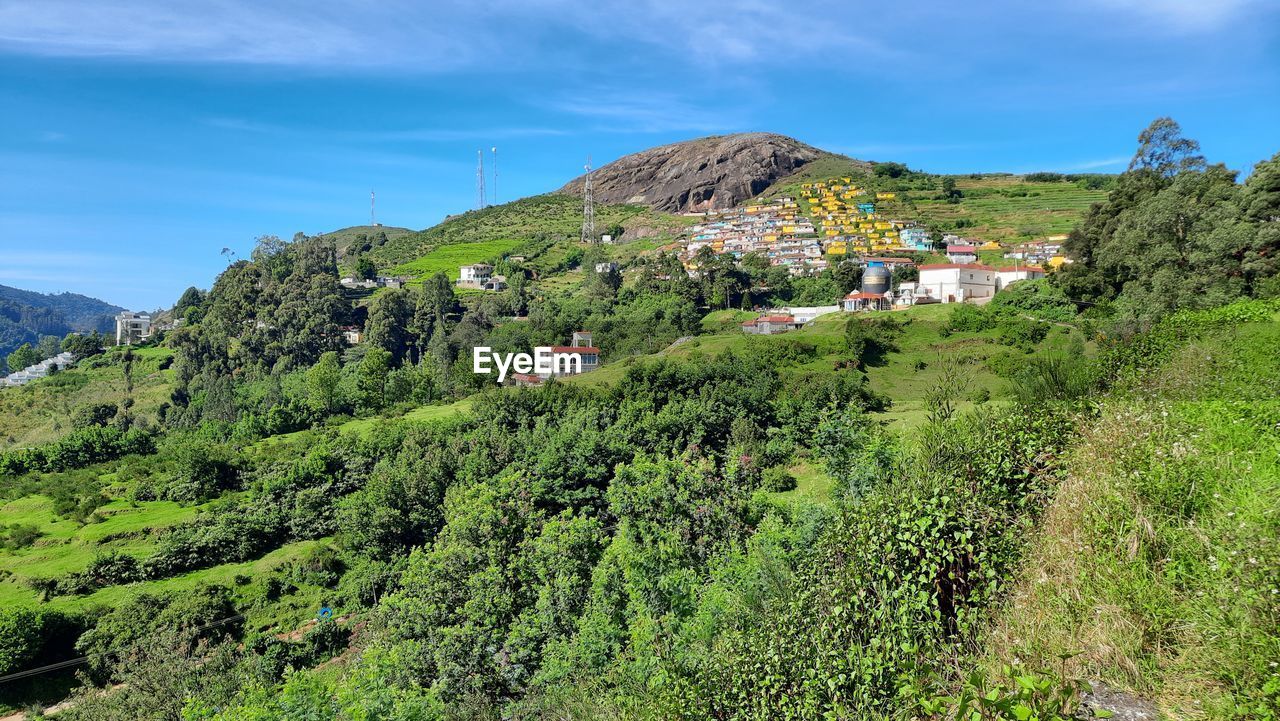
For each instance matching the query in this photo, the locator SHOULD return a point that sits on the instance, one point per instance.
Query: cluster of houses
(845, 222)
(774, 229)
(39, 370)
(937, 283)
(480, 276)
(849, 222)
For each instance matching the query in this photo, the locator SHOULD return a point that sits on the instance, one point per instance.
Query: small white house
(957, 282)
(1015, 273)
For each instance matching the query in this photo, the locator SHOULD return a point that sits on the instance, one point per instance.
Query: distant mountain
(710, 173)
(26, 315)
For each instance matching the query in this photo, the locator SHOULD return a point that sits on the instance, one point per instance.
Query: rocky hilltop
(704, 174)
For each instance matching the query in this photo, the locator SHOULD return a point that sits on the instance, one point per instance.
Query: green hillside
(925, 513)
(540, 219)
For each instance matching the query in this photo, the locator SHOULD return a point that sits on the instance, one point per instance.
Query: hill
(540, 221)
(26, 315)
(711, 173)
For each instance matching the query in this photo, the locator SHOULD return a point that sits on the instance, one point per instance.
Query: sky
(138, 138)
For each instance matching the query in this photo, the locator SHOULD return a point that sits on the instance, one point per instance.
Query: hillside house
(915, 239)
(474, 276)
(1015, 273)
(770, 325)
(132, 328)
(962, 254)
(957, 282)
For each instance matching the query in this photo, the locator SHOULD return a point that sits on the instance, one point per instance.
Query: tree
(322, 382)
(371, 378)
(23, 357)
(83, 346)
(390, 316)
(365, 269)
(48, 346)
(1163, 150)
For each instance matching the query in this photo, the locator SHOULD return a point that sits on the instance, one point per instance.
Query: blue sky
(138, 139)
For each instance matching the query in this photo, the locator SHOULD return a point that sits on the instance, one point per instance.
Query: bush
(778, 479)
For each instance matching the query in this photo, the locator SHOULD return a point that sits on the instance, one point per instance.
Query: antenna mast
(495, 175)
(373, 213)
(588, 207)
(480, 194)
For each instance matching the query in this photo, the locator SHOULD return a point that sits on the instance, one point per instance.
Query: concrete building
(132, 328)
(1015, 273)
(770, 325)
(475, 275)
(962, 253)
(957, 282)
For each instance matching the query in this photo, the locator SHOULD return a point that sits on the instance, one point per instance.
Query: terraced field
(1007, 208)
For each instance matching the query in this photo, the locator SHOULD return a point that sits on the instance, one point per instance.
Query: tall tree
(390, 317)
(322, 382)
(1163, 150)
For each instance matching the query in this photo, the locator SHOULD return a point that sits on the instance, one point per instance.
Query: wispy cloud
(1114, 162)
(422, 134)
(1190, 16)
(648, 112)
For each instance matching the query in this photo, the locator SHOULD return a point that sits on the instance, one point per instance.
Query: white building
(956, 282)
(1015, 273)
(132, 328)
(475, 275)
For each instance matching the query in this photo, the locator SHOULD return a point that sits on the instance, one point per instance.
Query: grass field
(551, 217)
(41, 412)
(1009, 209)
(448, 259)
(903, 376)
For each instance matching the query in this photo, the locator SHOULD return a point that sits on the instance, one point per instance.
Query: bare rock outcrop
(704, 174)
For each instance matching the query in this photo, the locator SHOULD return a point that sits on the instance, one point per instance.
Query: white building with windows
(1015, 273)
(132, 328)
(957, 282)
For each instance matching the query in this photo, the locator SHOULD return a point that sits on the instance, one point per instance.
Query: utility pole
(480, 194)
(588, 208)
(495, 175)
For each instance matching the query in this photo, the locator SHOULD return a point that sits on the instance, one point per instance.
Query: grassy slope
(552, 217)
(41, 412)
(991, 203)
(1157, 560)
(345, 237)
(448, 258)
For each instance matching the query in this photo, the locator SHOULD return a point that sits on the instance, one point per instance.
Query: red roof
(944, 266)
(907, 261)
(1011, 268)
(527, 377)
(962, 249)
(864, 296)
(775, 319)
(574, 349)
